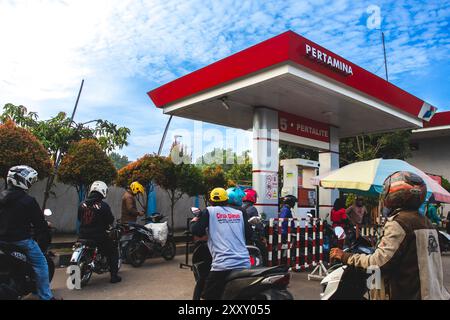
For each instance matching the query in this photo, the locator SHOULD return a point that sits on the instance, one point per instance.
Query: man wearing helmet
(18, 213)
(95, 217)
(129, 208)
(288, 203)
(408, 254)
(226, 228)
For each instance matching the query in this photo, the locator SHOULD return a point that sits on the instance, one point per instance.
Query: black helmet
(290, 200)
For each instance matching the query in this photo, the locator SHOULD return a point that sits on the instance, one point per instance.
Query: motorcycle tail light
(281, 279)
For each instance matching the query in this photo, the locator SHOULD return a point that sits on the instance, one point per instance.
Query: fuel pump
(297, 174)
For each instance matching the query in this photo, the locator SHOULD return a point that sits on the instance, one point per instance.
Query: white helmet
(22, 177)
(100, 187)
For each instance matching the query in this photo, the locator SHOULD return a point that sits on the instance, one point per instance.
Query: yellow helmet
(136, 188)
(218, 195)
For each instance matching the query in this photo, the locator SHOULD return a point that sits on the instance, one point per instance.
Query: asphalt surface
(165, 280)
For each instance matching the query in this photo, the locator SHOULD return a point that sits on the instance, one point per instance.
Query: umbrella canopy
(367, 177)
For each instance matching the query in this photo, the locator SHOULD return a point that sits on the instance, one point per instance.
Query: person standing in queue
(95, 218)
(288, 203)
(129, 207)
(226, 229)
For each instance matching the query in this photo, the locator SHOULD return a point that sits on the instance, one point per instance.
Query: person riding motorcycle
(95, 217)
(408, 253)
(249, 201)
(129, 208)
(19, 212)
(288, 203)
(227, 229)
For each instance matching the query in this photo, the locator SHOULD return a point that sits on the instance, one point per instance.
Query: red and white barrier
(307, 247)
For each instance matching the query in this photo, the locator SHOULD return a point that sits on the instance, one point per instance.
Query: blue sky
(125, 48)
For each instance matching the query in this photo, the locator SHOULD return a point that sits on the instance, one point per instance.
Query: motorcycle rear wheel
(134, 254)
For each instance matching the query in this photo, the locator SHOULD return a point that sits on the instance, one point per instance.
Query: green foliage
(294, 152)
(58, 133)
(445, 184)
(118, 160)
(143, 170)
(393, 145)
(85, 163)
(19, 147)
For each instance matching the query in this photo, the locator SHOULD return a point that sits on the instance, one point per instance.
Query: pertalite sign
(303, 127)
(326, 58)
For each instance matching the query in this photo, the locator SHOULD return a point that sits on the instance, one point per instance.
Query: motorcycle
(140, 241)
(257, 283)
(17, 277)
(87, 256)
(258, 238)
(347, 282)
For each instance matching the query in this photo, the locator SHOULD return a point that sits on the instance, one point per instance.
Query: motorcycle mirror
(195, 211)
(339, 232)
(48, 212)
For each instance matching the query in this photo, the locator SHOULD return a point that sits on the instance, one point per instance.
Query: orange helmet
(403, 190)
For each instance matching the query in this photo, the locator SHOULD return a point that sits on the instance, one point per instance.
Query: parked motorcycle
(17, 277)
(257, 283)
(87, 256)
(140, 241)
(347, 282)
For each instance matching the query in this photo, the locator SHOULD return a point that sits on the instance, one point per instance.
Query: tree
(119, 160)
(85, 163)
(213, 176)
(19, 147)
(59, 132)
(177, 180)
(393, 145)
(289, 151)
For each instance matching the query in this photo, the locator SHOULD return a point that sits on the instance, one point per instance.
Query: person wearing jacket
(19, 212)
(95, 218)
(338, 213)
(248, 203)
(288, 203)
(408, 254)
(227, 229)
(129, 208)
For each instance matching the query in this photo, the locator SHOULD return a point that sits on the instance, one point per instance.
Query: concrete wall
(433, 157)
(64, 204)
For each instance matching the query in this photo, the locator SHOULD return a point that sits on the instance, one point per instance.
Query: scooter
(257, 283)
(17, 277)
(346, 282)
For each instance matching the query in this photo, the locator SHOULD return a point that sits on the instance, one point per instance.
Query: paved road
(160, 279)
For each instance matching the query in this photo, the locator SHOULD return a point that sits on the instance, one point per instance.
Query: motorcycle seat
(258, 272)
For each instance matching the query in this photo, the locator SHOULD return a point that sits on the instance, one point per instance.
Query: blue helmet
(235, 195)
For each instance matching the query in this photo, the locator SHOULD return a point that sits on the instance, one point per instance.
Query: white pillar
(265, 160)
(329, 160)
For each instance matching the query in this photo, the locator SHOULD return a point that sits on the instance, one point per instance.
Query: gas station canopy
(297, 77)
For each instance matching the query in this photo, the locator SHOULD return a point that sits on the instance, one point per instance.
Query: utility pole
(384, 52)
(52, 176)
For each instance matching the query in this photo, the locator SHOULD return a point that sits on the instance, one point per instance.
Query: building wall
(433, 157)
(64, 204)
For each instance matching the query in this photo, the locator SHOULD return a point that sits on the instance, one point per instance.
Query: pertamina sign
(303, 127)
(328, 59)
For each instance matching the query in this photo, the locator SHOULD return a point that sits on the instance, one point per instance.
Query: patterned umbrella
(367, 177)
